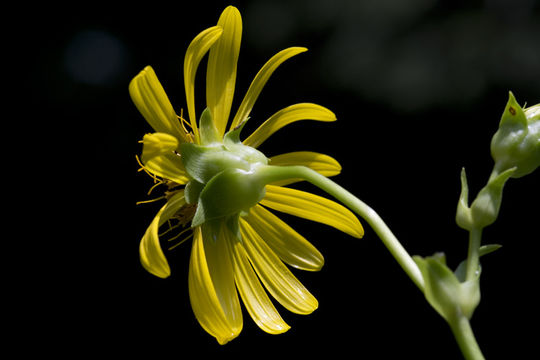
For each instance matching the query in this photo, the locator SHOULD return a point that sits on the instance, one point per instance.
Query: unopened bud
(517, 141)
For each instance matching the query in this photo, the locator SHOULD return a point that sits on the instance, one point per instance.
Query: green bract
(517, 141)
(450, 297)
(485, 208)
(223, 173)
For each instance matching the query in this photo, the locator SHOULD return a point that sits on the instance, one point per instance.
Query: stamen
(143, 168)
(171, 227)
(186, 125)
(186, 213)
(181, 241)
(155, 185)
(184, 122)
(179, 234)
(151, 200)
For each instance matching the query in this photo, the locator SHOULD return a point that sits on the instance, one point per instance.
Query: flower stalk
(356, 205)
(461, 328)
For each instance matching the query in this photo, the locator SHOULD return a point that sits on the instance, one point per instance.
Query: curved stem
(274, 173)
(460, 325)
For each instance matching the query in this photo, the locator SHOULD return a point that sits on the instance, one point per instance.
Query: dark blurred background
(418, 87)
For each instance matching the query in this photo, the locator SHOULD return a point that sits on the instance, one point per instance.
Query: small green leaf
(463, 213)
(488, 249)
(461, 270)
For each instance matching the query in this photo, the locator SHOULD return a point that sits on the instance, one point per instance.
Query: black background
(418, 91)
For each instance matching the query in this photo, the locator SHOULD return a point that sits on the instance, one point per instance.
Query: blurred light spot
(94, 57)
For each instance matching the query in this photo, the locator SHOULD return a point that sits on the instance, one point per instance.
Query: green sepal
(227, 194)
(513, 115)
(203, 162)
(192, 191)
(232, 142)
(485, 208)
(444, 292)
(207, 128)
(463, 213)
(233, 136)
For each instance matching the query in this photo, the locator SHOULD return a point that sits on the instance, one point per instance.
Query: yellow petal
(290, 114)
(152, 101)
(289, 245)
(220, 267)
(323, 164)
(159, 158)
(151, 255)
(195, 52)
(255, 299)
(275, 276)
(211, 311)
(221, 73)
(312, 207)
(260, 80)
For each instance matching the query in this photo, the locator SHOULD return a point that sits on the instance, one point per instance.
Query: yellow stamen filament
(155, 185)
(143, 168)
(150, 201)
(171, 227)
(179, 234)
(186, 125)
(181, 241)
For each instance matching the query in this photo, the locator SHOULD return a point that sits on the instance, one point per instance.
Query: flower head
(218, 186)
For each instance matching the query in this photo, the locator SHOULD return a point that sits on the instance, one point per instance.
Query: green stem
(460, 325)
(475, 237)
(465, 338)
(274, 173)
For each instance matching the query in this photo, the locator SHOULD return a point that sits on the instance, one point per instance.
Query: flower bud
(517, 141)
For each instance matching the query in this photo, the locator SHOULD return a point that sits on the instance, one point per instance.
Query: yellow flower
(237, 242)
